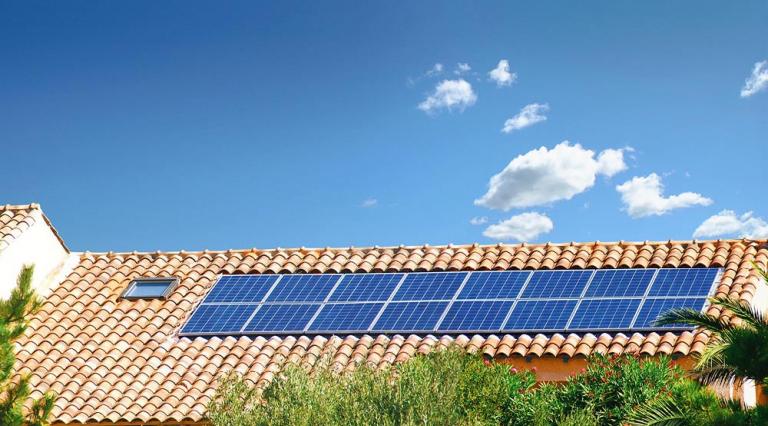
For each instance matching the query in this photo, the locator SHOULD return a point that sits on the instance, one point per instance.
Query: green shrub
(444, 388)
(452, 387)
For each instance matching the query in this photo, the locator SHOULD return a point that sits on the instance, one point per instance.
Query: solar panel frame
(456, 297)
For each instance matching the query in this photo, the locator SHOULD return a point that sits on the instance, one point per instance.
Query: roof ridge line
(622, 243)
(30, 206)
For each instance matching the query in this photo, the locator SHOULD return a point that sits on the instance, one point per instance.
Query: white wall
(38, 246)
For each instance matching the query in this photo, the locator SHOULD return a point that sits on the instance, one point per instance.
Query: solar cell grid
(410, 316)
(303, 288)
(241, 288)
(494, 285)
(282, 318)
(620, 283)
(346, 317)
(528, 301)
(653, 307)
(365, 287)
(475, 316)
(219, 318)
(556, 284)
(430, 286)
(540, 315)
(683, 282)
(604, 314)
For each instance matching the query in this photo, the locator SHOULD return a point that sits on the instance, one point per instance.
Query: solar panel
(476, 316)
(410, 316)
(449, 302)
(241, 288)
(557, 284)
(219, 318)
(365, 287)
(540, 315)
(620, 283)
(684, 282)
(653, 307)
(430, 286)
(494, 285)
(291, 318)
(604, 314)
(346, 317)
(303, 288)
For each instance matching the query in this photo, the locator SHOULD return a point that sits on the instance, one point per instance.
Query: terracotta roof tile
(111, 359)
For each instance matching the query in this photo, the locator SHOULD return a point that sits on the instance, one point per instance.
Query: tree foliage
(452, 387)
(14, 390)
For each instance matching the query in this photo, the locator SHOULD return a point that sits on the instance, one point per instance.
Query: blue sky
(170, 125)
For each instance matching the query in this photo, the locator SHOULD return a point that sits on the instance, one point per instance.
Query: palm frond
(692, 317)
(742, 310)
(659, 413)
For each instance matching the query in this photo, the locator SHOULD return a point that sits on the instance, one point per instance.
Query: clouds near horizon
(728, 223)
(523, 227)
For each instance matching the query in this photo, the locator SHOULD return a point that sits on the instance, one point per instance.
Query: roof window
(150, 288)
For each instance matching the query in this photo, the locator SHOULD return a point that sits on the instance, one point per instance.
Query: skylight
(149, 288)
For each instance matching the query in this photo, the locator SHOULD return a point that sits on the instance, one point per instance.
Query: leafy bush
(451, 387)
(444, 388)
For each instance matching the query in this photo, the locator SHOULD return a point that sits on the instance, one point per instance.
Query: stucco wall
(39, 246)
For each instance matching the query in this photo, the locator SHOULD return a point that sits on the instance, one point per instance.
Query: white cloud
(369, 202)
(462, 68)
(727, 223)
(544, 175)
(478, 220)
(435, 70)
(501, 74)
(643, 196)
(449, 94)
(523, 227)
(757, 81)
(528, 116)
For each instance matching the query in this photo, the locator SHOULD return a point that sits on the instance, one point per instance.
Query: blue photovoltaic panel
(282, 318)
(683, 282)
(410, 316)
(365, 287)
(219, 318)
(620, 283)
(540, 315)
(652, 308)
(494, 285)
(475, 316)
(561, 284)
(303, 288)
(430, 286)
(346, 317)
(605, 314)
(241, 288)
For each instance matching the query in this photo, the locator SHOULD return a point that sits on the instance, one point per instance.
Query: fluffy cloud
(462, 68)
(369, 202)
(523, 227)
(545, 175)
(727, 223)
(478, 220)
(449, 94)
(501, 74)
(757, 81)
(643, 196)
(528, 116)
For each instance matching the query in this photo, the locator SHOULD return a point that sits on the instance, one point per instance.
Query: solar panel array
(450, 302)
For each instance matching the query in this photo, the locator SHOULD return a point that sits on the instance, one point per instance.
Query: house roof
(15, 219)
(116, 360)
